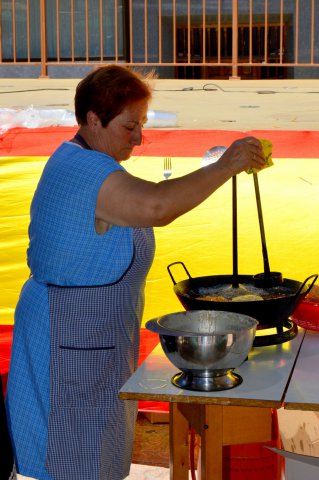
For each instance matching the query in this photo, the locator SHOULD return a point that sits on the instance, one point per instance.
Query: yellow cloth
(202, 239)
(267, 149)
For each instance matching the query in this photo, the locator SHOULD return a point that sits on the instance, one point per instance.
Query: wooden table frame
(215, 425)
(271, 379)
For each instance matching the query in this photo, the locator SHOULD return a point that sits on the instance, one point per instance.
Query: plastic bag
(35, 117)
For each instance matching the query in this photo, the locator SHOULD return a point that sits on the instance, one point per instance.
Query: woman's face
(124, 132)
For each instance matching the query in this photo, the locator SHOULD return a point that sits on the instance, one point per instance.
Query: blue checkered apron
(94, 350)
(70, 360)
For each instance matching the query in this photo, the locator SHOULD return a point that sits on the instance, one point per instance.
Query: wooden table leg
(207, 420)
(211, 466)
(178, 443)
(215, 425)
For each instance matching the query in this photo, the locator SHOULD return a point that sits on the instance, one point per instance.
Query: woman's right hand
(243, 154)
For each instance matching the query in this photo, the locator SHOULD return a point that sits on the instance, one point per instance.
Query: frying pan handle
(314, 277)
(170, 273)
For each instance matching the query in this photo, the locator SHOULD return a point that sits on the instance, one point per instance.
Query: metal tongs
(211, 156)
(266, 279)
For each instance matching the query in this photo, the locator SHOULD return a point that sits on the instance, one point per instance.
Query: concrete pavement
(199, 104)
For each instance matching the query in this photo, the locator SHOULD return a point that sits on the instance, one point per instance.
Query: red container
(148, 342)
(5, 348)
(306, 314)
(254, 461)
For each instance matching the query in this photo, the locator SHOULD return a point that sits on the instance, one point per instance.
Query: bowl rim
(155, 326)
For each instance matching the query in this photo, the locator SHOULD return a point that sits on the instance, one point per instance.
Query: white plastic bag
(156, 118)
(35, 117)
(31, 117)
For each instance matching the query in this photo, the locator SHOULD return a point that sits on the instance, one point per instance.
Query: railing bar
(208, 44)
(14, 46)
(87, 47)
(174, 31)
(297, 32)
(116, 31)
(266, 32)
(189, 31)
(101, 31)
(218, 31)
(168, 64)
(43, 35)
(281, 39)
(179, 64)
(145, 31)
(0, 32)
(131, 31)
(312, 31)
(160, 31)
(57, 3)
(204, 30)
(251, 31)
(72, 30)
(28, 31)
(224, 33)
(235, 40)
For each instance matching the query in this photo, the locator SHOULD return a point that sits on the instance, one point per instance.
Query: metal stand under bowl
(219, 380)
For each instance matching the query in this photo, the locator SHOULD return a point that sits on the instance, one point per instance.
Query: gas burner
(285, 332)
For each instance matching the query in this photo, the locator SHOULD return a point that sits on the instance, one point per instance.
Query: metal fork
(167, 167)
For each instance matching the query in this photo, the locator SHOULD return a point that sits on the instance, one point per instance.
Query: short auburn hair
(108, 90)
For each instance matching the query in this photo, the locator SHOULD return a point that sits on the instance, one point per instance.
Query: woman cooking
(91, 244)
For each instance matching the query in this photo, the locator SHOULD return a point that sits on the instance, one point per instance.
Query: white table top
(303, 389)
(265, 376)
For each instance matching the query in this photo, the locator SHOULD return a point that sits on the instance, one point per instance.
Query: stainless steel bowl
(206, 346)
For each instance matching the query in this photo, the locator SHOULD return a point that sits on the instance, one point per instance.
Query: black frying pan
(269, 313)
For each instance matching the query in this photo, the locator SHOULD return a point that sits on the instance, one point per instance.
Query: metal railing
(176, 34)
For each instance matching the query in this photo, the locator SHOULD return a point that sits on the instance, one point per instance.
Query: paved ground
(198, 104)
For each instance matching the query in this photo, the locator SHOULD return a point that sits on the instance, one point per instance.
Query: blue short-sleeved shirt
(64, 247)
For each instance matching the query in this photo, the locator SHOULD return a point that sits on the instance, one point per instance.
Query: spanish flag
(201, 239)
